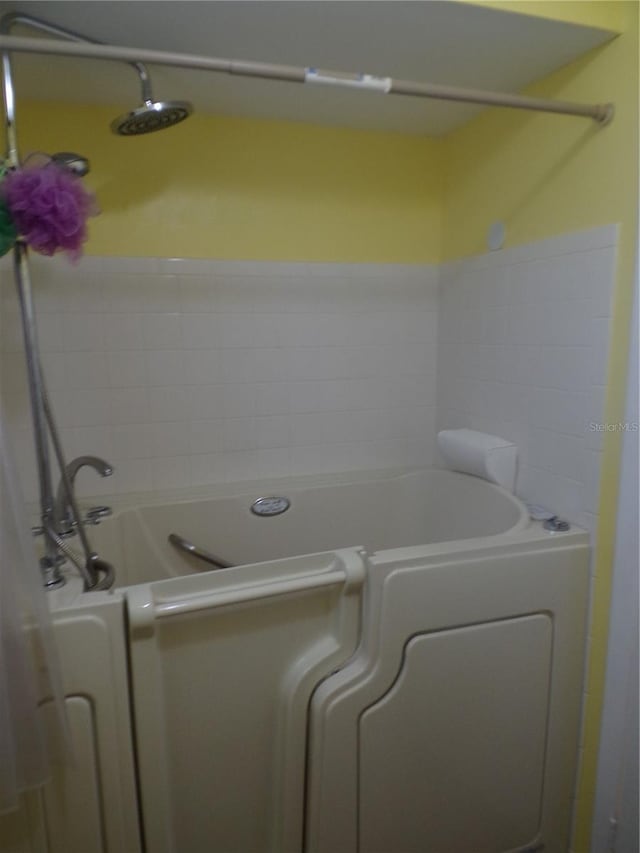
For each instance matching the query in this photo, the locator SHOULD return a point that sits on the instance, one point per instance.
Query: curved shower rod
(601, 113)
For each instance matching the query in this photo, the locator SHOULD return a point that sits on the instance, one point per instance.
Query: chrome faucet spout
(62, 512)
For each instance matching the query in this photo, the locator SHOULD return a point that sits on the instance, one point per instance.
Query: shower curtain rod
(601, 113)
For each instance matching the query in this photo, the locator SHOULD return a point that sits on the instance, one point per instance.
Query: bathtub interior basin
(378, 511)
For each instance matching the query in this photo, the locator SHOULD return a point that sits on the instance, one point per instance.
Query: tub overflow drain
(273, 505)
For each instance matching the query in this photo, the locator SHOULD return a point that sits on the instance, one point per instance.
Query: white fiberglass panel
(482, 778)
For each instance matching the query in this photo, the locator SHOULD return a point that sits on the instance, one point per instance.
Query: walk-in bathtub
(393, 664)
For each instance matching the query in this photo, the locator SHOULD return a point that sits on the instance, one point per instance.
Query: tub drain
(273, 505)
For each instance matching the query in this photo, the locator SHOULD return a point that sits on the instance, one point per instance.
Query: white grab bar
(248, 593)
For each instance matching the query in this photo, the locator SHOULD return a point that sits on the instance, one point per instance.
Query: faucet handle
(96, 513)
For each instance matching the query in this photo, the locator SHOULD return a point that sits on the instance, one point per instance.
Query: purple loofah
(49, 207)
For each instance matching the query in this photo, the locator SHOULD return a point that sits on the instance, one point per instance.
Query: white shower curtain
(28, 664)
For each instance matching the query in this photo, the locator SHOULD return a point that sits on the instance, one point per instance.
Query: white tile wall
(193, 371)
(187, 372)
(523, 343)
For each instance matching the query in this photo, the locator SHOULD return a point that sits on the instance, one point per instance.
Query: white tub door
(455, 727)
(223, 667)
(452, 757)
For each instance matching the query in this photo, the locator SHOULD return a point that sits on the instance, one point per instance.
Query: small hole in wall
(495, 236)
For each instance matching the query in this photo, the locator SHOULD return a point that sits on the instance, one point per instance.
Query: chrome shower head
(152, 115)
(75, 163)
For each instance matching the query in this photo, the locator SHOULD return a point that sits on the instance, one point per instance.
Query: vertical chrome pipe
(49, 563)
(9, 111)
(29, 331)
(44, 425)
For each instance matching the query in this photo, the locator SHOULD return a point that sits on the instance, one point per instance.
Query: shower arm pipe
(7, 23)
(601, 113)
(12, 19)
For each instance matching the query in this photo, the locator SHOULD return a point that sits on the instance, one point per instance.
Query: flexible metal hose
(93, 563)
(92, 580)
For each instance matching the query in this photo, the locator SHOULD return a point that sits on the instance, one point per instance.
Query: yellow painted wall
(604, 14)
(216, 187)
(544, 175)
